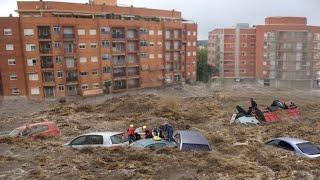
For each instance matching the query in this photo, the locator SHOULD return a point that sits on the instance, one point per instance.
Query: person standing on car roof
(131, 133)
(253, 103)
(169, 129)
(147, 132)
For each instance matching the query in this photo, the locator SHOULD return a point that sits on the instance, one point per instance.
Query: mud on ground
(238, 151)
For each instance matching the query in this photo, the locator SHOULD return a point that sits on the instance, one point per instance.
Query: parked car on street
(297, 146)
(99, 139)
(191, 141)
(152, 144)
(35, 130)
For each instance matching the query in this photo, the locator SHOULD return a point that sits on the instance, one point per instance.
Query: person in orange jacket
(131, 134)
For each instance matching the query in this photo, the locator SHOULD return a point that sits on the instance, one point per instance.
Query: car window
(309, 148)
(285, 145)
(94, 139)
(195, 147)
(118, 139)
(34, 130)
(78, 141)
(273, 142)
(156, 146)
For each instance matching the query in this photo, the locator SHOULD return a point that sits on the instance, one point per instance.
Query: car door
(119, 140)
(87, 141)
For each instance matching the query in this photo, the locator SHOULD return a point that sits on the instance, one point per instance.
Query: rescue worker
(157, 134)
(253, 103)
(147, 132)
(131, 134)
(169, 129)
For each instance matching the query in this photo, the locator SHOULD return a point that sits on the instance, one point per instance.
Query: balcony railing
(68, 36)
(47, 65)
(118, 36)
(72, 79)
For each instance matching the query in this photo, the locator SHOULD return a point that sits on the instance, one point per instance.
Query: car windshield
(309, 148)
(15, 132)
(118, 139)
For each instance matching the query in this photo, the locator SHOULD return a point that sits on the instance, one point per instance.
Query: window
(13, 76)
(11, 62)
(70, 62)
(81, 32)
(309, 148)
(151, 44)
(194, 43)
(189, 33)
(143, 31)
(9, 47)
(189, 43)
(60, 74)
(83, 73)
(143, 43)
(61, 87)
(84, 86)
(160, 56)
(93, 32)
(95, 85)
(93, 45)
(194, 53)
(31, 62)
(57, 44)
(285, 146)
(33, 77)
(104, 30)
(159, 32)
(30, 47)
(28, 32)
(105, 43)
(56, 29)
(83, 59)
(243, 54)
(151, 56)
(95, 72)
(143, 55)
(188, 53)
(94, 59)
(35, 91)
(7, 31)
(15, 91)
(151, 32)
(105, 57)
(194, 33)
(82, 45)
(160, 44)
(118, 139)
(106, 70)
(193, 147)
(58, 59)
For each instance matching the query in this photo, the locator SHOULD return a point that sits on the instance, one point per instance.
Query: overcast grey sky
(210, 14)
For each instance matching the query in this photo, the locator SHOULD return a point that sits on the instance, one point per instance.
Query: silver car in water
(191, 141)
(297, 146)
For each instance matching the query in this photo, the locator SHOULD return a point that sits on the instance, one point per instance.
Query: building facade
(286, 53)
(69, 49)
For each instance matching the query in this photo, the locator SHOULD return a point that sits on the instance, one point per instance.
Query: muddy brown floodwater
(238, 151)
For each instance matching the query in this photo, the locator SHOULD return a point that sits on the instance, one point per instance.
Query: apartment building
(57, 49)
(287, 53)
(232, 50)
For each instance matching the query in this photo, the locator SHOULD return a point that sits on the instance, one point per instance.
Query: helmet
(131, 125)
(144, 127)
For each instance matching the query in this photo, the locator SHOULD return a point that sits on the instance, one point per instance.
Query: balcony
(45, 48)
(120, 85)
(118, 33)
(69, 48)
(118, 48)
(46, 62)
(132, 60)
(133, 83)
(72, 76)
(119, 72)
(132, 47)
(68, 33)
(132, 34)
(133, 71)
(48, 77)
(44, 32)
(119, 61)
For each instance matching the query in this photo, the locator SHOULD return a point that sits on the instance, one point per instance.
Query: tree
(203, 69)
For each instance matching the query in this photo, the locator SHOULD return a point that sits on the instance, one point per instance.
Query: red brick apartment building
(285, 52)
(57, 49)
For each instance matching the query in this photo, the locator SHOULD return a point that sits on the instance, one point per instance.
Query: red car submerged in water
(36, 130)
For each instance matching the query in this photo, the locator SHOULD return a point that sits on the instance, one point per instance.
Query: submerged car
(297, 146)
(152, 144)
(41, 129)
(191, 141)
(99, 139)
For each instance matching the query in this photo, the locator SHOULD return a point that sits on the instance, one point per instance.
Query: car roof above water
(192, 137)
(109, 133)
(291, 140)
